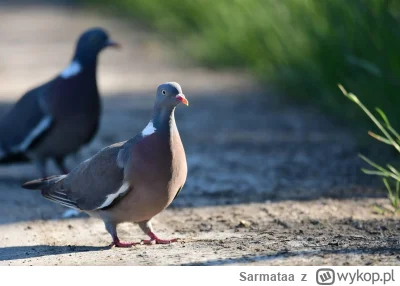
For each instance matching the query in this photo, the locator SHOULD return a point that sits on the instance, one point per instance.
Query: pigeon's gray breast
(156, 170)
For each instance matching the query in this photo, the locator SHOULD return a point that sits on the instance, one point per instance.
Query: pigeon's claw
(118, 243)
(154, 239)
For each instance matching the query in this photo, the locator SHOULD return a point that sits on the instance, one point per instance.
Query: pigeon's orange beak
(112, 44)
(181, 97)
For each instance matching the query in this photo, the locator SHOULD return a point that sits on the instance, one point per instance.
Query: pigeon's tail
(41, 184)
(52, 189)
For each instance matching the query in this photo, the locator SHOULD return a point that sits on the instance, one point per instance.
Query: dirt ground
(270, 182)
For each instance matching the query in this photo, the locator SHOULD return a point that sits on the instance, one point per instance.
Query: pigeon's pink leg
(112, 229)
(155, 240)
(118, 243)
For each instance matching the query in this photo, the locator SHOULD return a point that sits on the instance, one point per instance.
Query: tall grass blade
(387, 131)
(389, 190)
(393, 169)
(372, 163)
(379, 138)
(371, 116)
(388, 125)
(377, 173)
(383, 115)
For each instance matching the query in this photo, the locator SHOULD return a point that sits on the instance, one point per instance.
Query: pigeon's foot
(118, 243)
(155, 240)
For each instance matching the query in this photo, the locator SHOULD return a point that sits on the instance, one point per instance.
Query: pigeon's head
(170, 95)
(91, 42)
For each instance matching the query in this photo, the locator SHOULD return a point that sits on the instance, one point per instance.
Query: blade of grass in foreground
(355, 99)
(391, 172)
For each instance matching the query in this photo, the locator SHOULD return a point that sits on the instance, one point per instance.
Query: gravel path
(270, 182)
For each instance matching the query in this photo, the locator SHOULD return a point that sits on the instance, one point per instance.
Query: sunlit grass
(389, 174)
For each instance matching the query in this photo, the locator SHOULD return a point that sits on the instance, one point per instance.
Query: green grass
(304, 46)
(389, 174)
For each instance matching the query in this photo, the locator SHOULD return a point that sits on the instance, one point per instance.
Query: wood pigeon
(130, 181)
(58, 117)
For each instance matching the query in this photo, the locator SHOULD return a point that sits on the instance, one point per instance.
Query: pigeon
(130, 181)
(58, 117)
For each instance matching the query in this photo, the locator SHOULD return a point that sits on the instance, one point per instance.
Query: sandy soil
(317, 232)
(270, 182)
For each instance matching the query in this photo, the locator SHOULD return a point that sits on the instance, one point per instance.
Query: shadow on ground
(297, 254)
(23, 252)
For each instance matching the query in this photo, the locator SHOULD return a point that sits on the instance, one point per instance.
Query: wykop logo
(325, 276)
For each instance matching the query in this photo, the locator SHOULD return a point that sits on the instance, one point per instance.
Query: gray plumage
(58, 117)
(129, 181)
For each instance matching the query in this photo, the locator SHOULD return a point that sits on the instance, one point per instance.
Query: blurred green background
(304, 47)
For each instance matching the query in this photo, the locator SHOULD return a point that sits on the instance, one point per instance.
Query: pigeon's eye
(164, 92)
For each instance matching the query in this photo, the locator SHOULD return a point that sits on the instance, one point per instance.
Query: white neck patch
(149, 129)
(73, 69)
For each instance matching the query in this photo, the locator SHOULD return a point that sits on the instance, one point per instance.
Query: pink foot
(155, 240)
(118, 243)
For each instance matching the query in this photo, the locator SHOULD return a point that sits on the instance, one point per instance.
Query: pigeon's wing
(96, 183)
(25, 124)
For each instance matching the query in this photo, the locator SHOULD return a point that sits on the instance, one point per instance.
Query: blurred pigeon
(130, 181)
(58, 117)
